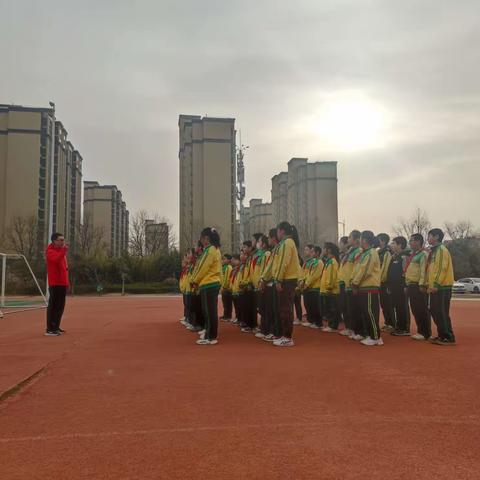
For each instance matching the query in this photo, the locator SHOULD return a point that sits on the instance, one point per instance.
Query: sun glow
(350, 124)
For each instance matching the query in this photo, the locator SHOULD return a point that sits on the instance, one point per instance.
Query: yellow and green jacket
(440, 268)
(226, 271)
(329, 284)
(187, 288)
(366, 274)
(305, 269)
(313, 276)
(288, 264)
(348, 264)
(416, 269)
(385, 256)
(235, 281)
(259, 260)
(267, 271)
(244, 277)
(208, 269)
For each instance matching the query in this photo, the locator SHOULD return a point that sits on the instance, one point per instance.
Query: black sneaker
(400, 333)
(443, 341)
(49, 333)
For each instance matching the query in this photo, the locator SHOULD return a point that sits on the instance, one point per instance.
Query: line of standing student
(346, 283)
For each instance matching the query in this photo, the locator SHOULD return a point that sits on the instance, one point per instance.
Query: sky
(390, 90)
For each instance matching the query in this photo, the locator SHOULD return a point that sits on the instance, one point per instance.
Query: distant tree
(21, 237)
(418, 222)
(460, 229)
(465, 257)
(90, 239)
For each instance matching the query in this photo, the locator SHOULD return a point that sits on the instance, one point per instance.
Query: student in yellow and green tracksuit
(197, 320)
(243, 286)
(308, 260)
(286, 280)
(206, 280)
(330, 288)
(385, 255)
(234, 284)
(310, 285)
(248, 291)
(366, 286)
(181, 287)
(225, 288)
(355, 330)
(416, 280)
(261, 259)
(269, 323)
(342, 297)
(440, 283)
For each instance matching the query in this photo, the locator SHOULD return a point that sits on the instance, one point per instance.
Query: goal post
(19, 288)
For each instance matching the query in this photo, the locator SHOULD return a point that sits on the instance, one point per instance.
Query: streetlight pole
(52, 182)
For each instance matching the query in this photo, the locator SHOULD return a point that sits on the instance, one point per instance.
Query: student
(248, 292)
(309, 256)
(330, 288)
(310, 286)
(440, 282)
(207, 281)
(226, 292)
(366, 286)
(181, 287)
(57, 271)
(397, 287)
(416, 279)
(286, 280)
(234, 284)
(385, 255)
(342, 297)
(197, 321)
(185, 286)
(269, 327)
(356, 330)
(243, 285)
(260, 258)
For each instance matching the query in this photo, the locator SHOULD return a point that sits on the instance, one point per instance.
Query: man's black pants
(370, 310)
(400, 308)
(209, 299)
(56, 306)
(227, 304)
(311, 299)
(333, 311)
(440, 309)
(419, 306)
(386, 304)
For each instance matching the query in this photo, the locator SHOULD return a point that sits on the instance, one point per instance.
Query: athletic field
(127, 394)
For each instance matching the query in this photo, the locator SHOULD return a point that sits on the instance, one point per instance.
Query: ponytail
(295, 236)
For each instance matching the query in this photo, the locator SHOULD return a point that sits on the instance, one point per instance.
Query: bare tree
(417, 223)
(90, 238)
(22, 236)
(150, 234)
(460, 230)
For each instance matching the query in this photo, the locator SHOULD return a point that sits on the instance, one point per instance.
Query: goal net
(19, 288)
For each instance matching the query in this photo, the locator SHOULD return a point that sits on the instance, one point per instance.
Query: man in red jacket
(57, 271)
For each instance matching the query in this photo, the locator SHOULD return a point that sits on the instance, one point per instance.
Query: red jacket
(57, 268)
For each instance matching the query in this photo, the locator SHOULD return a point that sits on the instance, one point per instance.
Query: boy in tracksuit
(269, 326)
(397, 287)
(329, 288)
(226, 291)
(385, 255)
(342, 296)
(366, 286)
(356, 330)
(310, 285)
(416, 279)
(440, 282)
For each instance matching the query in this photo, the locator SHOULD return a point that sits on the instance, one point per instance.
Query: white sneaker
(329, 330)
(418, 336)
(182, 319)
(306, 324)
(314, 325)
(206, 342)
(260, 335)
(297, 322)
(345, 332)
(284, 342)
(370, 342)
(358, 338)
(269, 338)
(201, 332)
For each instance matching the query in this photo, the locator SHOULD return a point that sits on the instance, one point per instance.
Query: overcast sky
(389, 89)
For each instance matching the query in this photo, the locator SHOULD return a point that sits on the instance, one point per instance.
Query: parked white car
(459, 288)
(472, 285)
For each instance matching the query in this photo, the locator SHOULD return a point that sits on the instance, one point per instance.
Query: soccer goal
(19, 288)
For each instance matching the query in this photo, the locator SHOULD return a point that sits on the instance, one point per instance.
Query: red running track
(126, 394)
